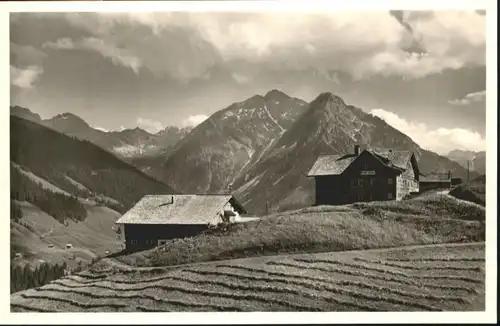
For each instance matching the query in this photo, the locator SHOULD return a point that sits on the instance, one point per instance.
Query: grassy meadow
(423, 278)
(429, 219)
(474, 191)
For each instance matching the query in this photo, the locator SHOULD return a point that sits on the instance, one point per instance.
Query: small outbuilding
(155, 219)
(437, 181)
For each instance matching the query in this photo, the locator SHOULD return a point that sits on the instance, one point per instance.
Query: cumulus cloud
(61, 44)
(26, 55)
(194, 120)
(186, 45)
(441, 140)
(25, 77)
(176, 50)
(476, 97)
(108, 50)
(240, 79)
(151, 126)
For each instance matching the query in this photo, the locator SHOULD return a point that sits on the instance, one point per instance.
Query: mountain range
(476, 160)
(212, 156)
(329, 126)
(127, 144)
(260, 148)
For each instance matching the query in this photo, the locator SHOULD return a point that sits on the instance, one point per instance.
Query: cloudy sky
(423, 72)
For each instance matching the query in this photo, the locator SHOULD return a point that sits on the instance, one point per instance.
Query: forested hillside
(56, 204)
(77, 167)
(66, 195)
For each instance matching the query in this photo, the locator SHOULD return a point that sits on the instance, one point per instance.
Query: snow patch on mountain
(129, 150)
(279, 179)
(227, 115)
(273, 119)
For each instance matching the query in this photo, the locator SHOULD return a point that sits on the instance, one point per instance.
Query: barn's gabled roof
(397, 158)
(331, 164)
(336, 164)
(178, 209)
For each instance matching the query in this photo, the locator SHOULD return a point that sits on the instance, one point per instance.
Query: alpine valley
(260, 148)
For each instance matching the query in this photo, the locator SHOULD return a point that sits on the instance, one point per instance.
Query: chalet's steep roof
(398, 158)
(177, 209)
(336, 164)
(331, 164)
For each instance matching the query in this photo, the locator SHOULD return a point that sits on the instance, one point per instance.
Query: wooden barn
(158, 218)
(372, 175)
(437, 181)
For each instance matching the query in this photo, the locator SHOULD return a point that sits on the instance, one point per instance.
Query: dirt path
(466, 202)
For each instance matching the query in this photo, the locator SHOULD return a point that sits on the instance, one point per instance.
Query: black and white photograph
(256, 160)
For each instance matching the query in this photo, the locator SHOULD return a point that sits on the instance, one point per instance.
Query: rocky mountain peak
(69, 116)
(328, 100)
(68, 122)
(276, 94)
(24, 113)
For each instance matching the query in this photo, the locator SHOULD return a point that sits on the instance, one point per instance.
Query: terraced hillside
(420, 278)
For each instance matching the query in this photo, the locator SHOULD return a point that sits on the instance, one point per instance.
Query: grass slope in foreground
(432, 218)
(426, 278)
(474, 191)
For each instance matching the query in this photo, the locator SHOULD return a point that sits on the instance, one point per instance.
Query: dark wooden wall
(147, 235)
(352, 186)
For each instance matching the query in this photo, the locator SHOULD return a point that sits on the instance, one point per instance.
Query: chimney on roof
(449, 174)
(356, 150)
(169, 203)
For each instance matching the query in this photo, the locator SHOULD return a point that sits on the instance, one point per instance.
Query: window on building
(389, 181)
(360, 182)
(372, 181)
(389, 195)
(133, 241)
